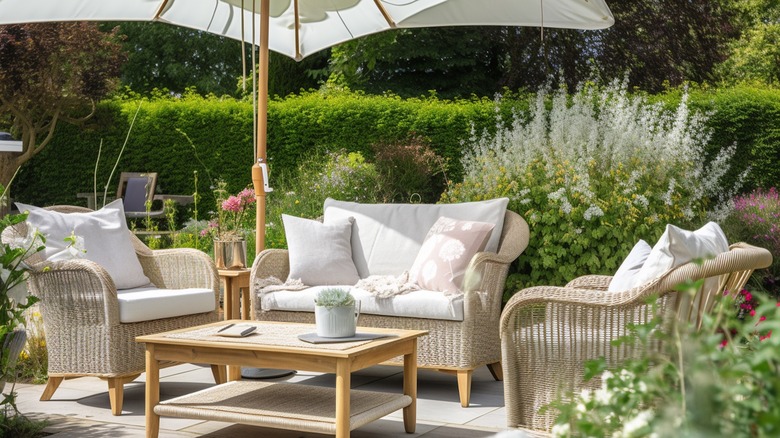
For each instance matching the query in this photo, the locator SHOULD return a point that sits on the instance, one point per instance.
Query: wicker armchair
(84, 336)
(548, 333)
(457, 347)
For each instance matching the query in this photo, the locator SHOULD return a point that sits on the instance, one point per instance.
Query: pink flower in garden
(247, 195)
(232, 204)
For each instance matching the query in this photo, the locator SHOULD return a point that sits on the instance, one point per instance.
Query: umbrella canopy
(298, 28)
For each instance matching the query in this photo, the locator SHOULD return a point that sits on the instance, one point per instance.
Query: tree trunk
(9, 162)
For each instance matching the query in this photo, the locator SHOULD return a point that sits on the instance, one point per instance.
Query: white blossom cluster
(595, 131)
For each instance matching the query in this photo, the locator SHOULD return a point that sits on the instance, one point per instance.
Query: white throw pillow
(677, 247)
(630, 267)
(449, 247)
(106, 240)
(320, 254)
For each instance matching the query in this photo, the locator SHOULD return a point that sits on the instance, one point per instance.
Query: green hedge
(222, 140)
(749, 117)
(221, 133)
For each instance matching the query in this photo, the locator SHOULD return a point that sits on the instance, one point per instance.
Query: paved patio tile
(80, 407)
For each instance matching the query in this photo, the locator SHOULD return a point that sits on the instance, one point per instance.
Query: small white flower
(635, 424)
(560, 430)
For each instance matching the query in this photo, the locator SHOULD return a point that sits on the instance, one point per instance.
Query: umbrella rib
(385, 14)
(160, 10)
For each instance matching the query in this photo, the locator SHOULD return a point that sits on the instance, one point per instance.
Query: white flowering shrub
(592, 173)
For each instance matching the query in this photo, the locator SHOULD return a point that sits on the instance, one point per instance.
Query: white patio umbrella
(298, 28)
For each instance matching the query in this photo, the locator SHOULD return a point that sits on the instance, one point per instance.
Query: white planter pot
(336, 322)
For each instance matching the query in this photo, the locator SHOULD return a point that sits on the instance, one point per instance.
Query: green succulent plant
(334, 297)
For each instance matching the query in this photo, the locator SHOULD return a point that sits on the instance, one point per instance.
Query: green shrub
(592, 173)
(721, 380)
(340, 175)
(409, 171)
(755, 219)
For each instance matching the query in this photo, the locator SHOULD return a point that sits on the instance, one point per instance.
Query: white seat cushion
(386, 238)
(416, 304)
(148, 303)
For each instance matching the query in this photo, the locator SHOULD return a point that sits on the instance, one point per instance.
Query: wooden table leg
(235, 296)
(342, 398)
(245, 304)
(227, 298)
(410, 388)
(152, 393)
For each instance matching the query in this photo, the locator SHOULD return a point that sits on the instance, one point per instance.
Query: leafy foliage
(334, 297)
(755, 219)
(592, 173)
(721, 380)
(51, 72)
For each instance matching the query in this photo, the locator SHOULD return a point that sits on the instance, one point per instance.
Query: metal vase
(230, 254)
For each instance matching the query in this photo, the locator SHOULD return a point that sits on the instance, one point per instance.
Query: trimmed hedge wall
(222, 138)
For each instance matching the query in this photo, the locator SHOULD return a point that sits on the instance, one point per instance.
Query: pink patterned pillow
(446, 252)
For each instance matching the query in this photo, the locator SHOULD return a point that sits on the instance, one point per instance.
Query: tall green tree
(49, 73)
(162, 56)
(755, 55)
(452, 61)
(175, 58)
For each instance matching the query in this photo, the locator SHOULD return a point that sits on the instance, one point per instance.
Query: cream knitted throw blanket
(381, 286)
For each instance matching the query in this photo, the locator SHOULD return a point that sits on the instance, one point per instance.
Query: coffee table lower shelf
(289, 406)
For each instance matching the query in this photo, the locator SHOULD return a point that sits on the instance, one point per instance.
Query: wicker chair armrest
(269, 263)
(541, 296)
(180, 268)
(591, 282)
(79, 291)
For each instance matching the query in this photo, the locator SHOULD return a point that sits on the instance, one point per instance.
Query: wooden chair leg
(496, 370)
(51, 385)
(116, 392)
(464, 387)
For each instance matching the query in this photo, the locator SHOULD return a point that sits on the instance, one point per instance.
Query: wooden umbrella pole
(258, 179)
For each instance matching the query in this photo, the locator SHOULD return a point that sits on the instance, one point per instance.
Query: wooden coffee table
(281, 405)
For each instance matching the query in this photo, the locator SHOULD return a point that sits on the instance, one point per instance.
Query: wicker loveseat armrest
(76, 291)
(591, 282)
(269, 263)
(179, 268)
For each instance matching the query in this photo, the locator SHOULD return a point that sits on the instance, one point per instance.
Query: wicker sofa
(91, 326)
(548, 333)
(461, 337)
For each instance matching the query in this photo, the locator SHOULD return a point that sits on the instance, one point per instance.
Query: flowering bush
(722, 380)
(339, 175)
(755, 219)
(592, 173)
(229, 221)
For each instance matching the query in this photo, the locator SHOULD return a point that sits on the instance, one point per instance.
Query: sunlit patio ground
(80, 407)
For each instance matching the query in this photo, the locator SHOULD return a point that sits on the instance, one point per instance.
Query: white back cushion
(677, 247)
(630, 267)
(320, 254)
(386, 238)
(106, 239)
